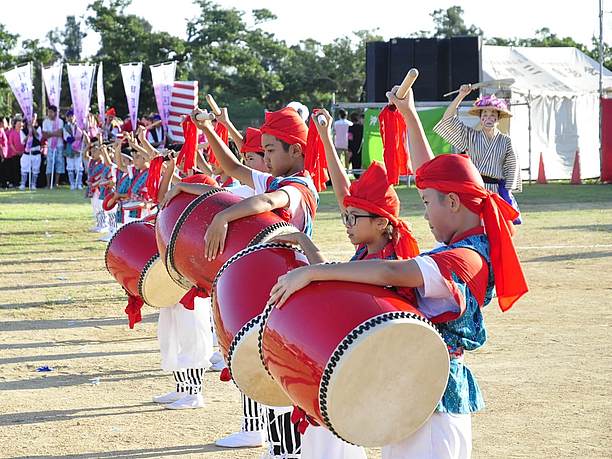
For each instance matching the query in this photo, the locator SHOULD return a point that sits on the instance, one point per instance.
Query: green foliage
(450, 23)
(244, 66)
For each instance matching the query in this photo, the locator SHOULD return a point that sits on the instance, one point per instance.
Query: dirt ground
(545, 371)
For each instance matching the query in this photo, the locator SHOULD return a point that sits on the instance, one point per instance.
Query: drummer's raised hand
(287, 285)
(215, 237)
(405, 105)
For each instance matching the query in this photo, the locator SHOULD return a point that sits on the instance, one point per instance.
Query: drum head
(406, 365)
(248, 372)
(157, 288)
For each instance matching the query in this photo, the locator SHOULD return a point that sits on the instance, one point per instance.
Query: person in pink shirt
(3, 151)
(14, 151)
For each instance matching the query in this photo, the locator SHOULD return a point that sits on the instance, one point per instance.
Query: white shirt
(341, 128)
(434, 297)
(297, 206)
(49, 126)
(244, 191)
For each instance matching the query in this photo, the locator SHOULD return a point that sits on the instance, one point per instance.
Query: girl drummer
(489, 149)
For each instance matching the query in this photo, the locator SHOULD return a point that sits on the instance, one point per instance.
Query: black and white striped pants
(284, 439)
(189, 381)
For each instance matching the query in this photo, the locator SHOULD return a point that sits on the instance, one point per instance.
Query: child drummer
(453, 282)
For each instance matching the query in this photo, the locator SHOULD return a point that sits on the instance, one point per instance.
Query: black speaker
(377, 66)
(444, 72)
(401, 59)
(426, 61)
(465, 62)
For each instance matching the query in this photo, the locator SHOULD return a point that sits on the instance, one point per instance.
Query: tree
(8, 41)
(450, 23)
(70, 40)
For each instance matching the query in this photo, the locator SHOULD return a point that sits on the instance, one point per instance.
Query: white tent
(561, 85)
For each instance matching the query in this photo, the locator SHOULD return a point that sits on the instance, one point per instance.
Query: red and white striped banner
(184, 100)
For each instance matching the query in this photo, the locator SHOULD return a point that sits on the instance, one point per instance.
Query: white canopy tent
(559, 86)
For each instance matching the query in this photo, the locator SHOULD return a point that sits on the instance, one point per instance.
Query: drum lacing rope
(263, 234)
(346, 343)
(143, 274)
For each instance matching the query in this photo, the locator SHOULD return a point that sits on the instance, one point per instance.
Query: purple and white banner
(20, 81)
(131, 74)
(52, 77)
(80, 78)
(100, 93)
(163, 81)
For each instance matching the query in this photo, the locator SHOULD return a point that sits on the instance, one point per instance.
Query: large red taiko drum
(240, 293)
(358, 359)
(133, 260)
(186, 247)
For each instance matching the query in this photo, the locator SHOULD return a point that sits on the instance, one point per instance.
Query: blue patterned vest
(468, 333)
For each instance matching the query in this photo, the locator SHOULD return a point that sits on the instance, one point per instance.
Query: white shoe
(72, 187)
(217, 362)
(243, 440)
(106, 238)
(79, 187)
(187, 402)
(169, 397)
(21, 187)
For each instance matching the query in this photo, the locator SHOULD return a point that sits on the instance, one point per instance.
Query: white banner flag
(100, 93)
(163, 81)
(20, 82)
(52, 77)
(131, 82)
(80, 78)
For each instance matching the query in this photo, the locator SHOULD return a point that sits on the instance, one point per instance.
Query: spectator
(53, 132)
(355, 141)
(3, 151)
(14, 151)
(31, 137)
(341, 129)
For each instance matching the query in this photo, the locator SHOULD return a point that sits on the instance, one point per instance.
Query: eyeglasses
(351, 219)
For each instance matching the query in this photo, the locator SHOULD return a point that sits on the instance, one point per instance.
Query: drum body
(186, 248)
(240, 294)
(358, 359)
(164, 225)
(132, 259)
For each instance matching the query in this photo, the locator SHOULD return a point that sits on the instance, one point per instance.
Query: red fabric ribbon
(374, 194)
(188, 299)
(223, 133)
(394, 135)
(153, 179)
(314, 157)
(453, 173)
(187, 154)
(225, 375)
(133, 308)
(303, 420)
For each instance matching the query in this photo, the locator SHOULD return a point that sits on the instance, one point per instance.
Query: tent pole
(600, 84)
(529, 130)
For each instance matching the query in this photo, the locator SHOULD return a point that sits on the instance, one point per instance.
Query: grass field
(545, 371)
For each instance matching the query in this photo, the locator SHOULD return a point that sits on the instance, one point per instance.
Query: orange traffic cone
(541, 173)
(576, 179)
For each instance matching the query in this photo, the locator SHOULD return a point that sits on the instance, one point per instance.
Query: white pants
(74, 164)
(318, 442)
(185, 336)
(30, 161)
(443, 436)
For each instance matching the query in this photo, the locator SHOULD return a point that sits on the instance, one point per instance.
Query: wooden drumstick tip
(213, 104)
(409, 80)
(204, 116)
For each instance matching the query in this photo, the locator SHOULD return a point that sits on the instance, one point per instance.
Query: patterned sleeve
(454, 132)
(511, 168)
